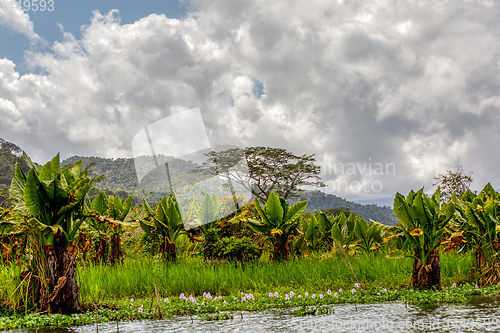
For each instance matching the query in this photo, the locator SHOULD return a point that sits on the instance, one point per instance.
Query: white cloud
(13, 17)
(355, 82)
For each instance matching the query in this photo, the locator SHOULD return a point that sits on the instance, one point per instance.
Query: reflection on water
(480, 314)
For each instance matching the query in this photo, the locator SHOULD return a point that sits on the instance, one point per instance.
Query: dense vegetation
(63, 250)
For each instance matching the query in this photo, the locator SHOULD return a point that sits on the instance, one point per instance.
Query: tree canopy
(454, 182)
(262, 170)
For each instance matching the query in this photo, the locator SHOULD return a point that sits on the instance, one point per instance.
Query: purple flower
(385, 290)
(306, 294)
(225, 302)
(243, 299)
(182, 296)
(353, 291)
(329, 292)
(477, 286)
(321, 296)
(165, 300)
(300, 296)
(286, 297)
(270, 294)
(378, 294)
(132, 300)
(336, 295)
(356, 285)
(140, 310)
(340, 290)
(453, 285)
(313, 296)
(276, 294)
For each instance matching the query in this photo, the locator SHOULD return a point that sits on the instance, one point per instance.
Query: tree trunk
(169, 251)
(63, 289)
(281, 250)
(101, 251)
(116, 254)
(429, 276)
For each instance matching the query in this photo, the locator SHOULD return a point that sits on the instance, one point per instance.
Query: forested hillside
(318, 200)
(9, 155)
(120, 179)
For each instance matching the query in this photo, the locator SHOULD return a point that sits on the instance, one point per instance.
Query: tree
(262, 170)
(52, 203)
(453, 182)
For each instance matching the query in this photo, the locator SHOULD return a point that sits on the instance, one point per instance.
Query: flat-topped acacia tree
(51, 201)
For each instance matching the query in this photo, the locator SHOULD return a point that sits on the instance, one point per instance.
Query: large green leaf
(262, 214)
(50, 171)
(100, 203)
(20, 176)
(296, 210)
(403, 211)
(33, 197)
(274, 209)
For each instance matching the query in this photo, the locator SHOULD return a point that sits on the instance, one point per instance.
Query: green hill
(120, 179)
(318, 200)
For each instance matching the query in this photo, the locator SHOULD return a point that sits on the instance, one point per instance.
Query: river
(479, 315)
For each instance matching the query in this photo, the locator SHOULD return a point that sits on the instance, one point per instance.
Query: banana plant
(478, 218)
(369, 235)
(343, 234)
(165, 223)
(53, 199)
(110, 223)
(278, 222)
(423, 222)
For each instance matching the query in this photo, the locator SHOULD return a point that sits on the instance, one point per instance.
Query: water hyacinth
(243, 299)
(329, 292)
(276, 294)
(340, 290)
(286, 297)
(453, 285)
(313, 296)
(132, 300)
(270, 294)
(336, 295)
(166, 300)
(356, 285)
(385, 290)
(378, 294)
(140, 308)
(353, 291)
(306, 294)
(182, 296)
(320, 296)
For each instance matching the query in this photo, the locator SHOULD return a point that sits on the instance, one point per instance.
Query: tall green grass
(136, 277)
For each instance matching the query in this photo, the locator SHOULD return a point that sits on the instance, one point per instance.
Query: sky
(386, 94)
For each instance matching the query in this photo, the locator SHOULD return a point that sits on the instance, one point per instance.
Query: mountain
(9, 155)
(318, 200)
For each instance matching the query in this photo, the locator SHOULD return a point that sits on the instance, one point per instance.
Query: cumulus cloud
(14, 18)
(387, 94)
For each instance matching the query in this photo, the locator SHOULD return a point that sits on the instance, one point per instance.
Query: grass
(109, 290)
(136, 277)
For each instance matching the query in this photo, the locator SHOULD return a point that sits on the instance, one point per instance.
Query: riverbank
(219, 291)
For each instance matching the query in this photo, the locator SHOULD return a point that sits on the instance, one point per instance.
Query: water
(480, 314)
